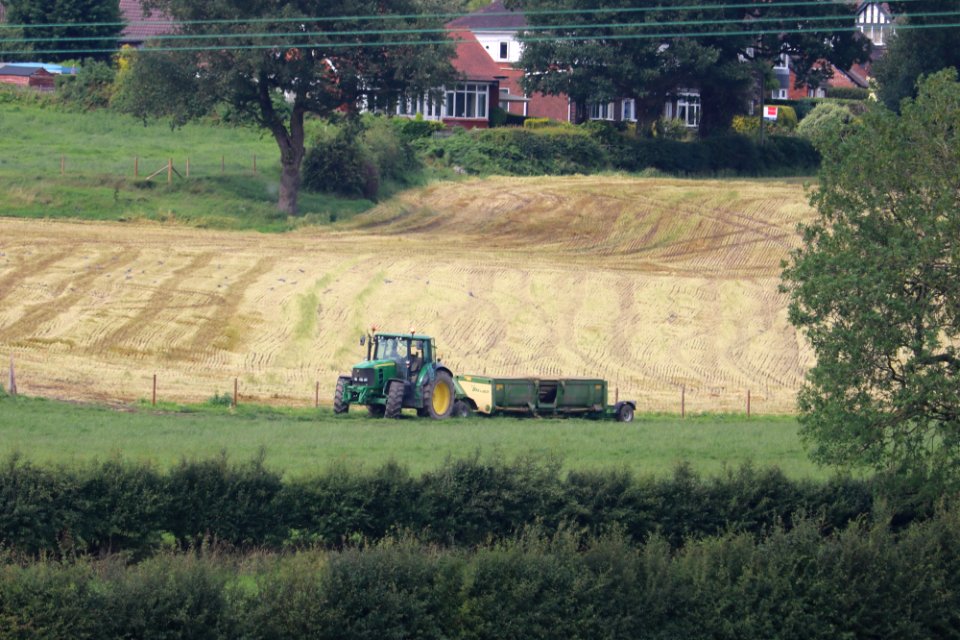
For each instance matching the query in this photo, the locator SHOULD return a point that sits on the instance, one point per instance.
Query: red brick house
(33, 77)
(495, 29)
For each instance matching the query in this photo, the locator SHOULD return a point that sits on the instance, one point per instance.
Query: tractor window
(390, 348)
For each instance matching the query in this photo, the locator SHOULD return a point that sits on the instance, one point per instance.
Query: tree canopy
(65, 26)
(875, 287)
(277, 60)
(596, 51)
(918, 48)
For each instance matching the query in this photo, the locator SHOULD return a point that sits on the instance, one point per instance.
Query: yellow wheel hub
(441, 399)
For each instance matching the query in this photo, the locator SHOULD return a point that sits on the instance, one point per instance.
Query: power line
(561, 27)
(343, 45)
(542, 12)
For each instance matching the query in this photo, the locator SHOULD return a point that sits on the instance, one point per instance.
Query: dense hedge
(596, 146)
(863, 582)
(112, 506)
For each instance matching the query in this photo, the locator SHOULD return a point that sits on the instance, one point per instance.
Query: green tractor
(402, 371)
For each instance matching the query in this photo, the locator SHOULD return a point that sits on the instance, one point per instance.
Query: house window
(601, 111)
(629, 110)
(779, 94)
(425, 105)
(688, 109)
(467, 101)
(783, 62)
(504, 50)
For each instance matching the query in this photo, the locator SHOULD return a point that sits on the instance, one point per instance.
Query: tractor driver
(416, 355)
(390, 348)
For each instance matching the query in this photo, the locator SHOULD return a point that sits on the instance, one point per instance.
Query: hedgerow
(119, 507)
(864, 581)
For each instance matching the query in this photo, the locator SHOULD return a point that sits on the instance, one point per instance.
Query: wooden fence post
(136, 166)
(316, 399)
(683, 401)
(13, 379)
(235, 387)
(748, 403)
(154, 397)
(169, 170)
(63, 164)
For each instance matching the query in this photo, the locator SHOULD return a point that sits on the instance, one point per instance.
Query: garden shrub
(826, 123)
(91, 88)
(336, 163)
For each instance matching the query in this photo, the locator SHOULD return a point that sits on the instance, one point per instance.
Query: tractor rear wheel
(394, 400)
(439, 396)
(339, 404)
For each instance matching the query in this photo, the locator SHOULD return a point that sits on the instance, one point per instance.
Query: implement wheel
(394, 400)
(438, 396)
(625, 414)
(339, 404)
(461, 409)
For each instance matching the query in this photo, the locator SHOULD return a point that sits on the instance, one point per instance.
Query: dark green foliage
(342, 507)
(521, 152)
(90, 88)
(116, 507)
(917, 50)
(848, 93)
(237, 505)
(339, 165)
(864, 581)
(55, 29)
(600, 145)
(469, 502)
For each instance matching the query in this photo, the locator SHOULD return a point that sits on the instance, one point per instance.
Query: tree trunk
(289, 184)
(291, 157)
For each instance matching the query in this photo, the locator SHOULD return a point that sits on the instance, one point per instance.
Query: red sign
(770, 113)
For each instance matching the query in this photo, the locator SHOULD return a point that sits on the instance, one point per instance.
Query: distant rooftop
(492, 17)
(140, 26)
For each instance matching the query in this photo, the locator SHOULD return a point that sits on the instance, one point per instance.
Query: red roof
(472, 60)
(140, 26)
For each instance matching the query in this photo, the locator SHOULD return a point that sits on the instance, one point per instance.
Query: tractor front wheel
(439, 396)
(394, 400)
(339, 404)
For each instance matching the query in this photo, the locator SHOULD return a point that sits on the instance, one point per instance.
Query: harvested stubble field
(654, 284)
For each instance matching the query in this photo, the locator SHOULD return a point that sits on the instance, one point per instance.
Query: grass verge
(301, 442)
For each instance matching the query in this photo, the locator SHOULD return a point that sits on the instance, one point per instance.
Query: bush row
(113, 506)
(862, 582)
(598, 146)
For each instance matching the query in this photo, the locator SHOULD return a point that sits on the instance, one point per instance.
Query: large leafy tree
(71, 27)
(920, 47)
(275, 61)
(875, 287)
(724, 49)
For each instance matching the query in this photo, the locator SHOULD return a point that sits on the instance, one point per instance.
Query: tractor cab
(401, 371)
(408, 352)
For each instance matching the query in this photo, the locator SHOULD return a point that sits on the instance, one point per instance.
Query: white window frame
(467, 101)
(688, 109)
(601, 111)
(628, 110)
(780, 94)
(783, 62)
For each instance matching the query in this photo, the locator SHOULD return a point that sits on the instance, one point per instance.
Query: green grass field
(98, 149)
(303, 442)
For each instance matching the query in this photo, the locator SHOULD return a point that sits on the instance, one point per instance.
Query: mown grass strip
(301, 442)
